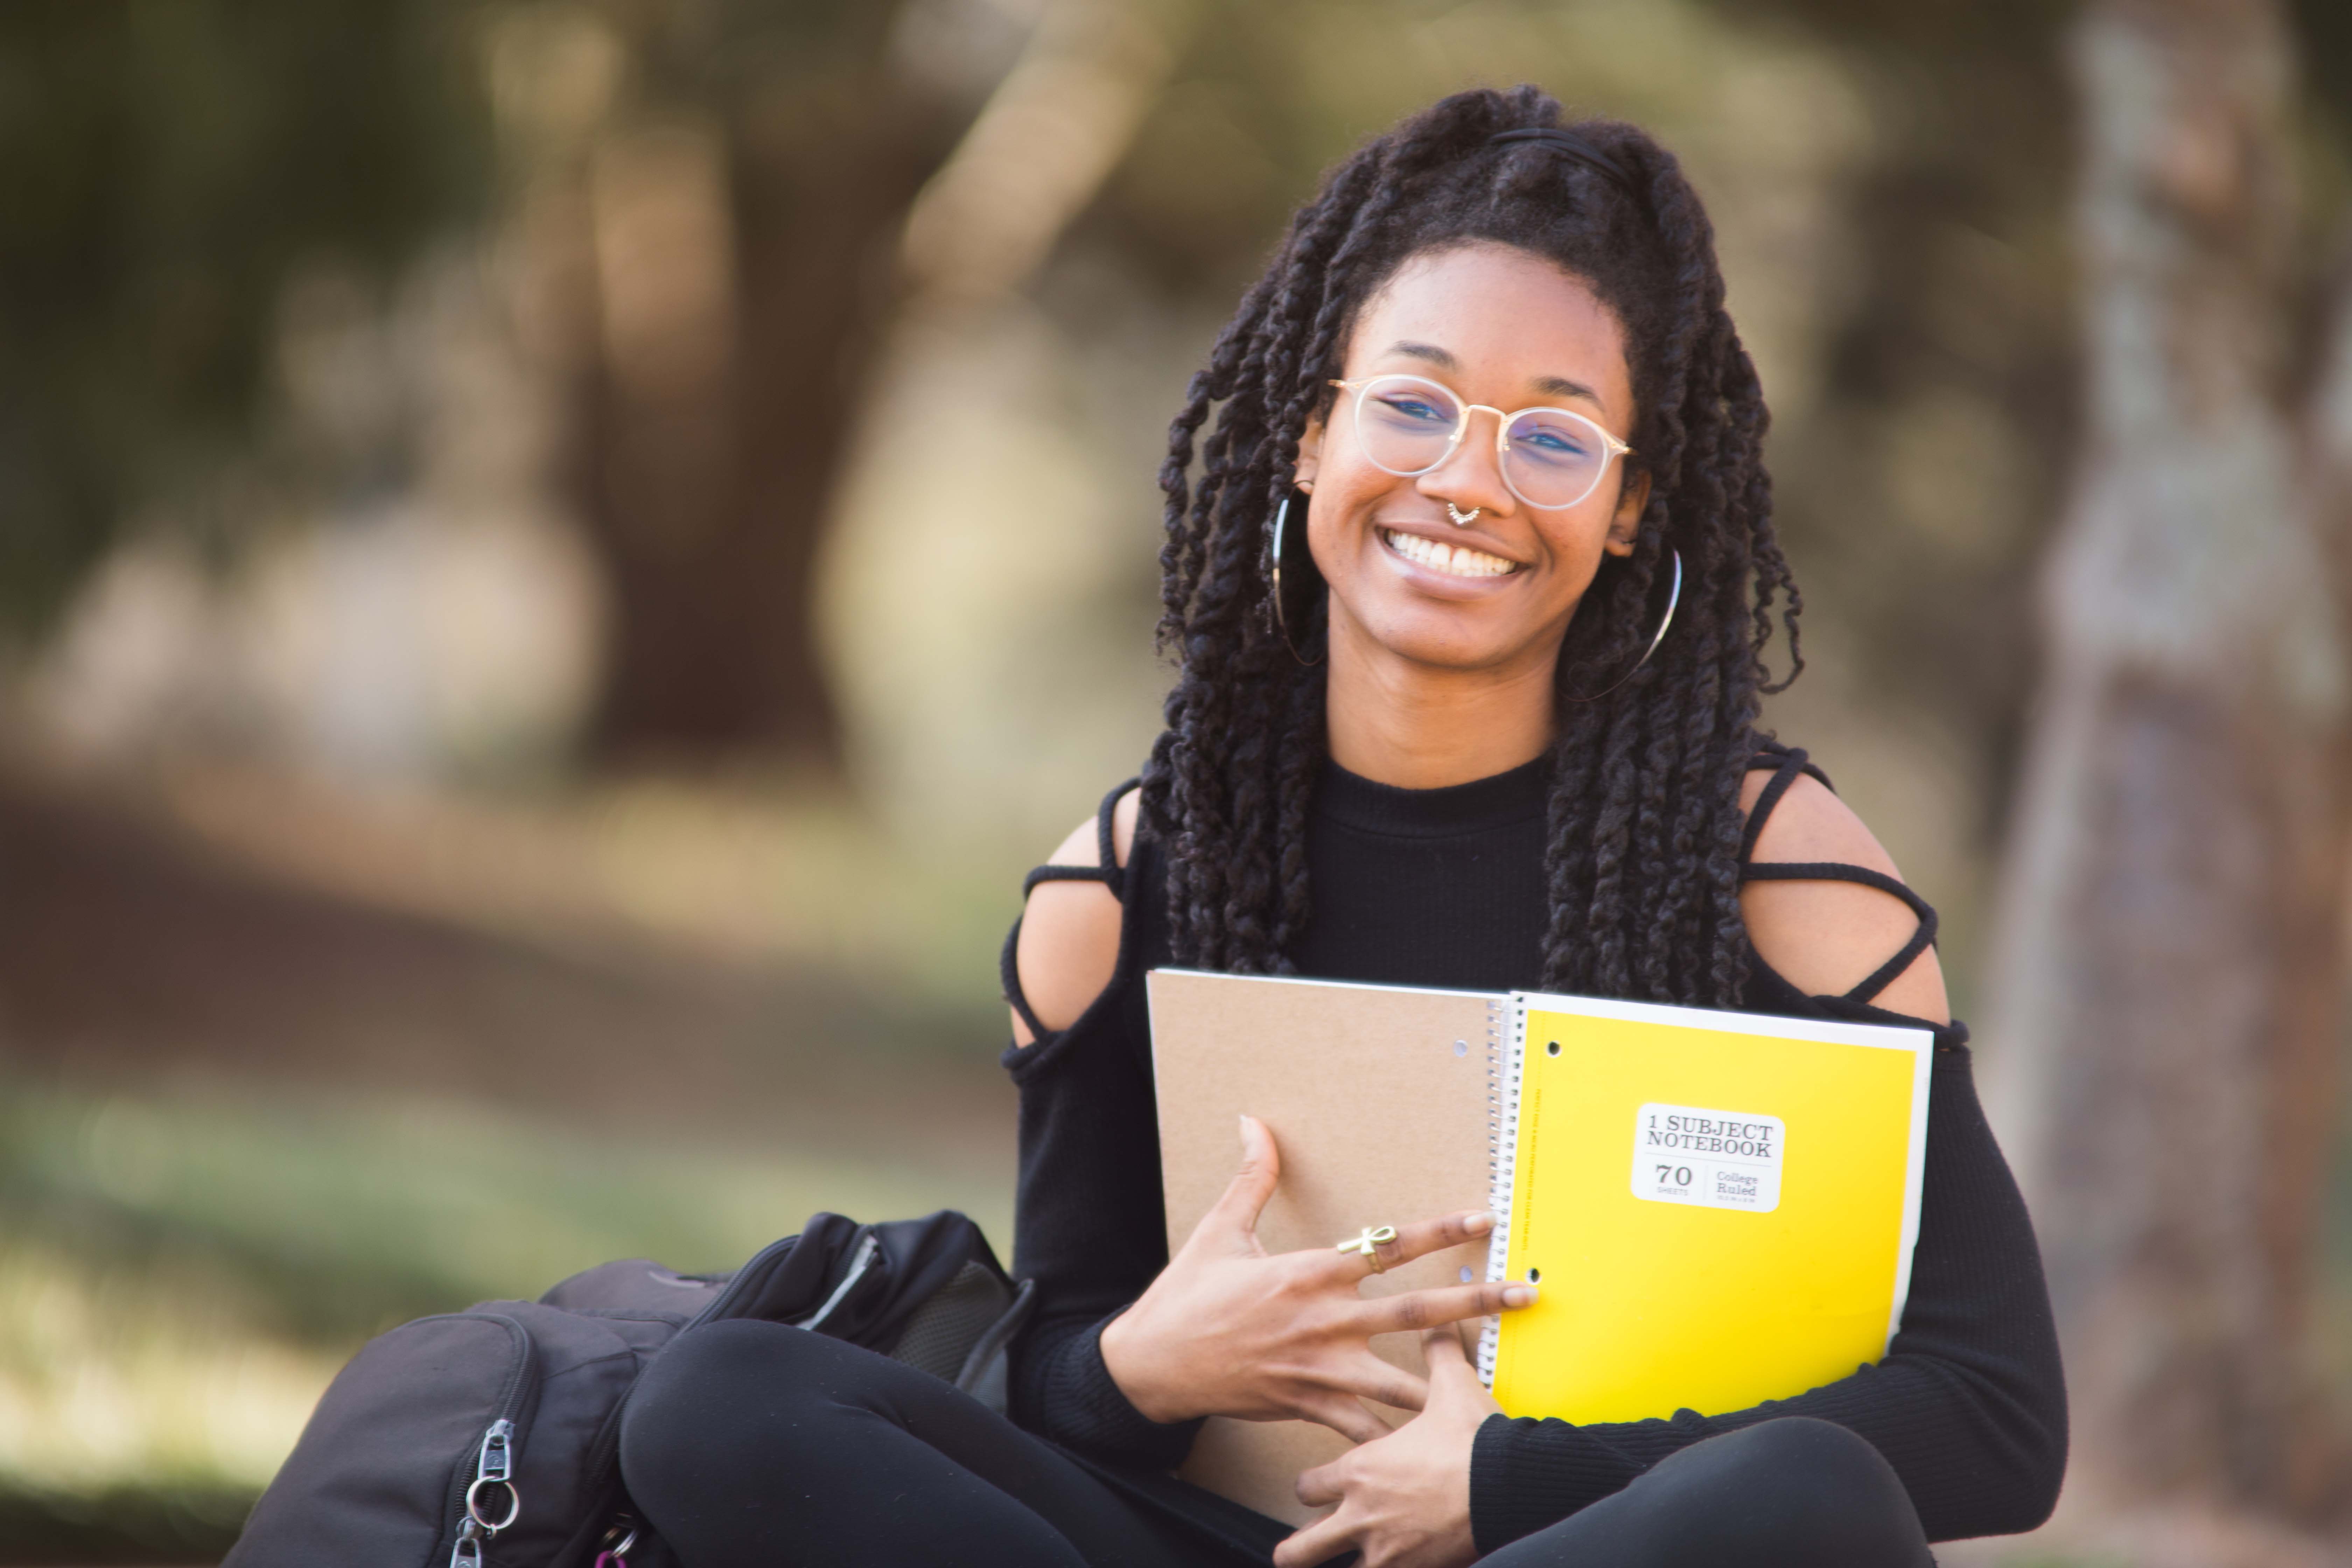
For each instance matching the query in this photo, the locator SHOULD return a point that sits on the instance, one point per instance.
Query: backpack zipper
(496, 1456)
(625, 1525)
(494, 1466)
(870, 1247)
(752, 1273)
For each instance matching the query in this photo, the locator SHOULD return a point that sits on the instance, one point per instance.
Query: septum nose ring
(1463, 519)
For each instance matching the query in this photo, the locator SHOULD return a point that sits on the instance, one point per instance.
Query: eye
(1413, 407)
(1553, 441)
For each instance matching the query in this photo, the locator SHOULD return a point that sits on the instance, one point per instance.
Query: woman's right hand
(1229, 1329)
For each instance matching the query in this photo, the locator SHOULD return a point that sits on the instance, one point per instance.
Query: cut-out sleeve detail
(1110, 877)
(1106, 870)
(1008, 974)
(1788, 762)
(1923, 937)
(1089, 1218)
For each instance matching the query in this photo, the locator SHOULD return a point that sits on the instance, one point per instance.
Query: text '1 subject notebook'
(1718, 1208)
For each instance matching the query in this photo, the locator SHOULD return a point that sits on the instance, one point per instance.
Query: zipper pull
(495, 1468)
(613, 1556)
(497, 1453)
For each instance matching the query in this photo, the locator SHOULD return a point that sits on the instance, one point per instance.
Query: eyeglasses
(1550, 458)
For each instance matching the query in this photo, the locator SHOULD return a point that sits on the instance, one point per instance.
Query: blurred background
(558, 560)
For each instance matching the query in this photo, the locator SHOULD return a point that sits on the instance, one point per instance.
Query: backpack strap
(1787, 763)
(1106, 870)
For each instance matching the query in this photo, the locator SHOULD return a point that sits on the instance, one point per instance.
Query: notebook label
(1711, 1159)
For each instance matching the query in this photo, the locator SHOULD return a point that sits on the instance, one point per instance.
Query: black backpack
(488, 1438)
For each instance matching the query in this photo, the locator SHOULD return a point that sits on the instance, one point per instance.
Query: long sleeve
(1090, 1225)
(1968, 1406)
(1090, 1232)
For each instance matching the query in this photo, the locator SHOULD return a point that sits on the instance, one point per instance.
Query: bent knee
(1805, 1444)
(1811, 1491)
(1835, 1493)
(706, 1387)
(709, 1368)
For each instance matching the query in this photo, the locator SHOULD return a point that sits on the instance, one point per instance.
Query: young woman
(1470, 597)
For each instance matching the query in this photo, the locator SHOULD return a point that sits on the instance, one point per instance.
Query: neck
(1419, 726)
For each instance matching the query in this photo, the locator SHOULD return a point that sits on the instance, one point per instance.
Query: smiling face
(1507, 328)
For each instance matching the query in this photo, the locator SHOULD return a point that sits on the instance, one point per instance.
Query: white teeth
(1453, 560)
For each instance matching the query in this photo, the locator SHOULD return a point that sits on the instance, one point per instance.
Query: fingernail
(1518, 1296)
(1478, 1222)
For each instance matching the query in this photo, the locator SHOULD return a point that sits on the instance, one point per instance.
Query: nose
(1472, 474)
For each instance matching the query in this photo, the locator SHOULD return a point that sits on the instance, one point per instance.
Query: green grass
(181, 1276)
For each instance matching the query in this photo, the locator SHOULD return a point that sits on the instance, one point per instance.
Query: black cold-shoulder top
(1445, 888)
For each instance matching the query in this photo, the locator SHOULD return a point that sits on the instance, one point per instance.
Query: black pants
(751, 1445)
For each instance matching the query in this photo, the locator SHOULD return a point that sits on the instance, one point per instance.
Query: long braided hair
(1645, 826)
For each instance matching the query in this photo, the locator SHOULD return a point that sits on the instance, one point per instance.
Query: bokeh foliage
(164, 166)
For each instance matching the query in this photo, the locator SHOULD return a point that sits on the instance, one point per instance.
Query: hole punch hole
(1552, 1049)
(1461, 1048)
(1465, 1274)
(1534, 1275)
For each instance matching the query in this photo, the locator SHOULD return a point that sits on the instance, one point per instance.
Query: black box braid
(1645, 819)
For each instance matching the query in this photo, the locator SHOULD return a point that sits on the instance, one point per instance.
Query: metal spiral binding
(1503, 1058)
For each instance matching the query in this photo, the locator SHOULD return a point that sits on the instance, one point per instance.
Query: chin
(1436, 638)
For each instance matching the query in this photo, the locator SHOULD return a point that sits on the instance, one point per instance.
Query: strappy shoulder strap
(1788, 762)
(1106, 870)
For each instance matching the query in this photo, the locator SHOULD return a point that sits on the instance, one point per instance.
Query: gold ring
(1367, 1245)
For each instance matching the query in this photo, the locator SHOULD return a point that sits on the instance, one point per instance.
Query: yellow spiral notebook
(1718, 1207)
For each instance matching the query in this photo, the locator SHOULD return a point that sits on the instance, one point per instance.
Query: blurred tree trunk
(744, 268)
(2171, 971)
(755, 230)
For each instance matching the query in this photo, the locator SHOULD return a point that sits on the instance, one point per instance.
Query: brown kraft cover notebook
(1377, 1101)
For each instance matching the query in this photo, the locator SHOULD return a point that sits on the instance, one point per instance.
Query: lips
(1450, 560)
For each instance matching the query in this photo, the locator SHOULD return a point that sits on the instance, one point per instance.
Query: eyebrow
(1554, 385)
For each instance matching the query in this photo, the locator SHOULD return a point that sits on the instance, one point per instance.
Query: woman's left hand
(1404, 1499)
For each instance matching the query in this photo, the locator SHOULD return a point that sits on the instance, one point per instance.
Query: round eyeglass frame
(1611, 447)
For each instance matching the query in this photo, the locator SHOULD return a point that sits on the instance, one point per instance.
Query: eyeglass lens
(1551, 459)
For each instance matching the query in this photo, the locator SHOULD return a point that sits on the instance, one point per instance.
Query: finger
(1450, 1363)
(1418, 1310)
(1442, 1349)
(1370, 1377)
(1421, 1239)
(1318, 1542)
(1345, 1416)
(1321, 1487)
(1454, 1379)
(1246, 1195)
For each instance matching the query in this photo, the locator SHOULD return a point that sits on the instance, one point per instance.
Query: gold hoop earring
(1674, 597)
(1281, 615)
